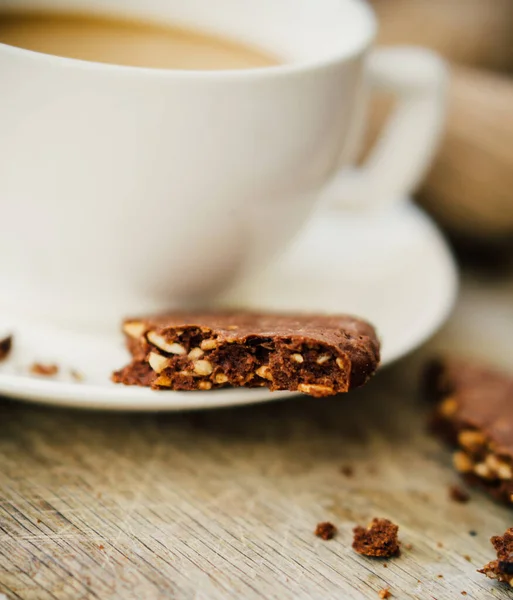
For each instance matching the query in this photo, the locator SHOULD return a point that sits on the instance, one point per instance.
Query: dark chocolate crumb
(458, 494)
(472, 533)
(44, 370)
(325, 530)
(347, 470)
(379, 539)
(384, 593)
(5, 347)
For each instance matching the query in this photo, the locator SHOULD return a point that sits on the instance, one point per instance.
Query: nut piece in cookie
(502, 568)
(326, 530)
(314, 354)
(474, 413)
(379, 539)
(5, 347)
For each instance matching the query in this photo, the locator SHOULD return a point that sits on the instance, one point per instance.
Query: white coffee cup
(126, 190)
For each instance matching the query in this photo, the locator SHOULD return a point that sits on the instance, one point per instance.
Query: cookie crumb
(44, 370)
(384, 593)
(463, 593)
(325, 530)
(101, 547)
(408, 546)
(347, 470)
(458, 494)
(440, 576)
(472, 533)
(5, 347)
(76, 375)
(439, 545)
(379, 539)
(467, 558)
(501, 568)
(38, 521)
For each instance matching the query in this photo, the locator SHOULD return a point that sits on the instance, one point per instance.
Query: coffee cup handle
(405, 149)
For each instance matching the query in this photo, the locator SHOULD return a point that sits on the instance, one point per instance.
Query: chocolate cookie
(474, 412)
(316, 355)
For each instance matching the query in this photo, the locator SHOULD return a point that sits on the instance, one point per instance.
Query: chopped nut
(220, 378)
(195, 353)
(448, 407)
(186, 373)
(205, 385)
(315, 390)
(322, 359)
(501, 468)
(5, 347)
(482, 470)
(160, 342)
(462, 462)
(208, 344)
(203, 367)
(265, 372)
(341, 364)
(44, 370)
(134, 329)
(158, 362)
(297, 358)
(163, 381)
(470, 439)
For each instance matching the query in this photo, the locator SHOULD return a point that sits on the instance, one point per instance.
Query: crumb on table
(5, 347)
(458, 494)
(384, 593)
(46, 370)
(326, 530)
(379, 539)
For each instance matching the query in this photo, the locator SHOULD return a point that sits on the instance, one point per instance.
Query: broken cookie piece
(502, 568)
(316, 355)
(379, 539)
(474, 412)
(5, 347)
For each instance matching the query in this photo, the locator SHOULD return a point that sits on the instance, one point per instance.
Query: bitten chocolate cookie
(316, 355)
(502, 568)
(474, 412)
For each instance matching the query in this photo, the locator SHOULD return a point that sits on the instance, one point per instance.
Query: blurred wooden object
(470, 187)
(473, 32)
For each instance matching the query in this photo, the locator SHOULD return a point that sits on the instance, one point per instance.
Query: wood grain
(223, 504)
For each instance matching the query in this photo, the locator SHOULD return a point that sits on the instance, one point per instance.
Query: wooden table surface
(223, 504)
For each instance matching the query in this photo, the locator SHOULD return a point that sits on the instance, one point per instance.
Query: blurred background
(469, 190)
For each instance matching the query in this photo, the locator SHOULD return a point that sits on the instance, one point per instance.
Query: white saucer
(393, 269)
